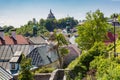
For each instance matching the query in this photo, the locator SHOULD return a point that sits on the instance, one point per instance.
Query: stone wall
(44, 76)
(40, 76)
(58, 74)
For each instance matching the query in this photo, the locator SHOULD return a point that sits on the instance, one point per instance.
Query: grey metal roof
(37, 40)
(4, 75)
(41, 56)
(18, 53)
(14, 59)
(8, 51)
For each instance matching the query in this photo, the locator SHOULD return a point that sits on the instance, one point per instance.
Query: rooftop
(36, 40)
(14, 59)
(8, 40)
(17, 53)
(4, 75)
(8, 51)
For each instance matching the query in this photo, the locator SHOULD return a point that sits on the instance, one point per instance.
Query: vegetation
(27, 30)
(45, 70)
(81, 65)
(107, 68)
(7, 29)
(96, 61)
(62, 22)
(43, 26)
(25, 73)
(59, 46)
(117, 15)
(52, 24)
(93, 30)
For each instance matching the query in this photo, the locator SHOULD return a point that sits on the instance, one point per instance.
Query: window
(12, 65)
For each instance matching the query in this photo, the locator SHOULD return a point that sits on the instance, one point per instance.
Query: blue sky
(18, 12)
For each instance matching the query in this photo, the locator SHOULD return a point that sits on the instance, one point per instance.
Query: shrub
(45, 70)
(107, 68)
(82, 63)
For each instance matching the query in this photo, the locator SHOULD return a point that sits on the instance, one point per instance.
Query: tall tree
(42, 22)
(94, 29)
(59, 46)
(25, 73)
(62, 22)
(27, 29)
(114, 14)
(51, 24)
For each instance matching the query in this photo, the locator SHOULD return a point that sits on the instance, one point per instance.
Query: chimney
(2, 34)
(13, 34)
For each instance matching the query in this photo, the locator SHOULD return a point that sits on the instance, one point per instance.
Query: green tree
(51, 24)
(93, 30)
(25, 73)
(42, 22)
(119, 17)
(114, 15)
(59, 46)
(7, 29)
(62, 22)
(27, 29)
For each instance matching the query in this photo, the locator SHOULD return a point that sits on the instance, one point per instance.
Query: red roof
(111, 38)
(9, 40)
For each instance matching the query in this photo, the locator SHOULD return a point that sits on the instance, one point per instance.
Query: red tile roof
(9, 40)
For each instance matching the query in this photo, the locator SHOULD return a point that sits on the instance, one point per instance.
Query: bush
(82, 63)
(107, 68)
(45, 70)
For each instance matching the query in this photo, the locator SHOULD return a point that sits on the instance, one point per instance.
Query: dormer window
(13, 66)
(15, 61)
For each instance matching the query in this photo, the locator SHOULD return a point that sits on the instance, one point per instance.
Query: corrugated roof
(4, 75)
(18, 53)
(9, 40)
(8, 51)
(40, 56)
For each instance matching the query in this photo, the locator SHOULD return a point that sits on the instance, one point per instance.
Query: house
(36, 40)
(36, 48)
(13, 39)
(111, 38)
(74, 52)
(14, 62)
(4, 75)
(42, 56)
(38, 53)
(72, 40)
(7, 52)
(111, 21)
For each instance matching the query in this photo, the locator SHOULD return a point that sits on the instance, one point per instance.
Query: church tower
(51, 15)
